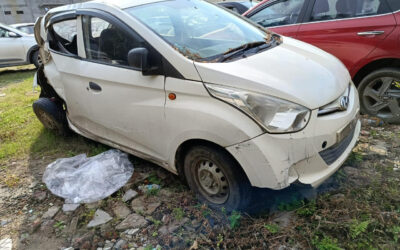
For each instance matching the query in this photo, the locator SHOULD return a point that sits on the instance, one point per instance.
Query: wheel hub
(381, 96)
(213, 182)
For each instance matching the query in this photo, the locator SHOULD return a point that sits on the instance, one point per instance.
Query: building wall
(26, 11)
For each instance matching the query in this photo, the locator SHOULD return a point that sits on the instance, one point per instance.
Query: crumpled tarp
(85, 180)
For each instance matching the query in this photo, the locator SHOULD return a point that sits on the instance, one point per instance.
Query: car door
(348, 29)
(12, 49)
(280, 16)
(111, 100)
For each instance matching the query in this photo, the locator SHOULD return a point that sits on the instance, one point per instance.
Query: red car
(363, 34)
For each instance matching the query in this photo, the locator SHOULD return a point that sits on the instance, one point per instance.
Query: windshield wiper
(241, 49)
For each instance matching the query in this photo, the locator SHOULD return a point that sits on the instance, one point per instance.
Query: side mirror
(139, 58)
(13, 35)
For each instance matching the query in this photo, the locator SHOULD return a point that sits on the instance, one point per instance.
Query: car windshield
(199, 30)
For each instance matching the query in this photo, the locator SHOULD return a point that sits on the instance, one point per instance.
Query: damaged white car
(199, 91)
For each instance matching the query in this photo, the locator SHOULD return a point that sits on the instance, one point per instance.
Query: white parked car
(17, 48)
(27, 28)
(199, 91)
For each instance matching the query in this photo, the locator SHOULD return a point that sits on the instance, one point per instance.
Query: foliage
(326, 243)
(178, 213)
(272, 228)
(234, 219)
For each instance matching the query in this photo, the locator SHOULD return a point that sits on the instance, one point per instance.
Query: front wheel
(216, 178)
(51, 115)
(380, 94)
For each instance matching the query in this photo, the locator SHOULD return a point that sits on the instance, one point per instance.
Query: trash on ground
(81, 179)
(149, 187)
(373, 121)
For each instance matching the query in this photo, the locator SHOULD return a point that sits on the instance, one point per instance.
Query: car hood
(295, 71)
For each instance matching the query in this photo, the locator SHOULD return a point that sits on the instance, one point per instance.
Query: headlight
(273, 114)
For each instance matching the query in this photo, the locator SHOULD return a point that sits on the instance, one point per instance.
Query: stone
(283, 219)
(82, 242)
(120, 244)
(51, 212)
(351, 171)
(35, 225)
(70, 207)
(6, 244)
(140, 205)
(47, 227)
(131, 231)
(151, 207)
(93, 205)
(378, 149)
(121, 210)
(132, 221)
(73, 225)
(108, 245)
(4, 222)
(172, 227)
(129, 195)
(40, 196)
(100, 217)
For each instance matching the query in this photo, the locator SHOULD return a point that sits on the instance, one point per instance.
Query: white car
(199, 91)
(17, 48)
(27, 28)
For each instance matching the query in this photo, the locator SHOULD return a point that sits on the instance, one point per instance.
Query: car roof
(21, 25)
(13, 29)
(120, 4)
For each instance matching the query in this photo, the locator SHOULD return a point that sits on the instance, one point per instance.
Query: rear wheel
(36, 59)
(380, 94)
(216, 178)
(51, 115)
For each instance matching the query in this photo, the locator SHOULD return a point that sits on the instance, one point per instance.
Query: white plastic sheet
(85, 180)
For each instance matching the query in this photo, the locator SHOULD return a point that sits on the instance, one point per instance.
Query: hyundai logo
(344, 103)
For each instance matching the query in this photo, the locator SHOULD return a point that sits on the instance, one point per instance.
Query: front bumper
(310, 156)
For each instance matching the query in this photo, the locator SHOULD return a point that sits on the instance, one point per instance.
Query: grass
(21, 134)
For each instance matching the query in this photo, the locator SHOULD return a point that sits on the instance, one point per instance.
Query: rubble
(129, 195)
(100, 217)
(132, 221)
(51, 212)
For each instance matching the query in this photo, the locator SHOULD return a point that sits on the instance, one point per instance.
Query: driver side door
(282, 16)
(112, 100)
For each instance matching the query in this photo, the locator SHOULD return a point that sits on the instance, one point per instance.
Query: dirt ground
(357, 208)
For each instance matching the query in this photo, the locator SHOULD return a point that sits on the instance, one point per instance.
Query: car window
(338, 9)
(64, 37)
(197, 29)
(26, 29)
(3, 32)
(279, 13)
(394, 4)
(107, 43)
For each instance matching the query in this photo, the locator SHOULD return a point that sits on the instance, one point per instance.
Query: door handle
(371, 33)
(94, 86)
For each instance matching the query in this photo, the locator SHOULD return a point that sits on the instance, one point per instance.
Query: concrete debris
(100, 217)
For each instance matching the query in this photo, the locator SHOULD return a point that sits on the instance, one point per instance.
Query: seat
(110, 44)
(345, 8)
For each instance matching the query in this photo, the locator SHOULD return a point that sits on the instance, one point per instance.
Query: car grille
(331, 154)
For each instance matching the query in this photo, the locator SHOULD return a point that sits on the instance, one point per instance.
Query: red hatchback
(363, 34)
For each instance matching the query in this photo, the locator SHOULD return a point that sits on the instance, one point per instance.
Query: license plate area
(346, 131)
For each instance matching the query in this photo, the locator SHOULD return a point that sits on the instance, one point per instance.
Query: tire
(36, 59)
(51, 115)
(380, 95)
(223, 184)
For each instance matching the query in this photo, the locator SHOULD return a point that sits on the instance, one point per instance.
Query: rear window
(394, 4)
